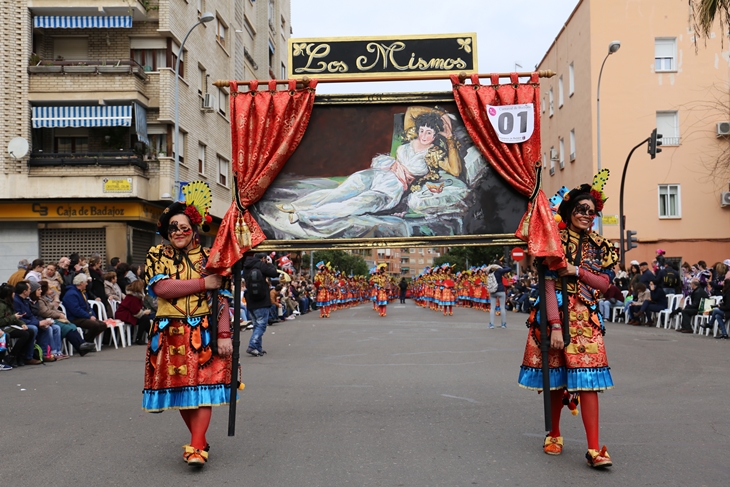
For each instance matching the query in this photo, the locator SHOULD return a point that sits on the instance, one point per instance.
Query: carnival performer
(321, 284)
(448, 298)
(181, 370)
(580, 366)
(380, 283)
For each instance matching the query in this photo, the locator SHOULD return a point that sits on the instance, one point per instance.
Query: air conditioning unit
(725, 199)
(207, 103)
(723, 128)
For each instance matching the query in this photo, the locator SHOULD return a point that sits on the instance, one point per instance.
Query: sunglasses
(584, 209)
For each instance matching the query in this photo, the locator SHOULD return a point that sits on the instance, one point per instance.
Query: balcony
(138, 9)
(88, 80)
(121, 158)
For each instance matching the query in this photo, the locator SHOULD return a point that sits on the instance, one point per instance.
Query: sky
(508, 32)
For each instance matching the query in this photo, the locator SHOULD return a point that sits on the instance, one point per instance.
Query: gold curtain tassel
(243, 233)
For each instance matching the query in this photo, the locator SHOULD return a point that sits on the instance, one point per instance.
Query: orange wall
(631, 94)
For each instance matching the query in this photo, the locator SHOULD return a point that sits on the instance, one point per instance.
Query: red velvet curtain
(519, 163)
(266, 128)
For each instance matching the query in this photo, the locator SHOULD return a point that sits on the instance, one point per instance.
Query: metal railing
(119, 158)
(91, 66)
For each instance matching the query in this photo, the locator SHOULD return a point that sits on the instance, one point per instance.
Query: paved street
(409, 400)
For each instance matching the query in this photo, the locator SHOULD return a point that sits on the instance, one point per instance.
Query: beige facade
(116, 66)
(658, 78)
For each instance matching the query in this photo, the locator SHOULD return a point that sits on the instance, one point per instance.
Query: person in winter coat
(131, 310)
(111, 288)
(14, 327)
(78, 309)
(721, 313)
(48, 308)
(690, 310)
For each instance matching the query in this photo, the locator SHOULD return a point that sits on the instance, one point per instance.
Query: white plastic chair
(126, 328)
(663, 315)
(701, 319)
(101, 315)
(617, 313)
(677, 320)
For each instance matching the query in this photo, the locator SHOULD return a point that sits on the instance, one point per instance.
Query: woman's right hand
(556, 340)
(213, 281)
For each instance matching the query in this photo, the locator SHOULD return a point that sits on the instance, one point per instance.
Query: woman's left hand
(225, 347)
(569, 270)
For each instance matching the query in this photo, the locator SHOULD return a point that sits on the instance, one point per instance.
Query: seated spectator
(19, 275)
(52, 350)
(277, 312)
(66, 272)
(48, 308)
(657, 302)
(15, 328)
(721, 313)
(640, 295)
(134, 273)
(35, 274)
(54, 281)
(612, 297)
(78, 309)
(39, 334)
(690, 310)
(646, 274)
(131, 311)
(111, 288)
(122, 272)
(95, 290)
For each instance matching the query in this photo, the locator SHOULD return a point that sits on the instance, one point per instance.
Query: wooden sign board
(398, 57)
(387, 171)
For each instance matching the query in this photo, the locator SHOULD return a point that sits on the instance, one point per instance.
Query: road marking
(462, 398)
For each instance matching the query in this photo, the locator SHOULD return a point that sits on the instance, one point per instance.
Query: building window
(272, 52)
(665, 54)
(173, 50)
(72, 145)
(221, 32)
(670, 203)
(283, 71)
(223, 171)
(551, 102)
(222, 102)
(272, 16)
(560, 92)
(182, 146)
(151, 53)
(561, 144)
(571, 80)
(420, 261)
(553, 158)
(201, 7)
(249, 27)
(572, 145)
(667, 124)
(201, 159)
(202, 81)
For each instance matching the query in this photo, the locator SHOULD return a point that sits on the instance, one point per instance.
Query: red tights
(588, 409)
(197, 421)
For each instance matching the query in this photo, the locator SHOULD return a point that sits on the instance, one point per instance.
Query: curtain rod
(462, 77)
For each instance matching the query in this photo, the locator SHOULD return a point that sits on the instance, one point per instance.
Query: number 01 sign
(513, 123)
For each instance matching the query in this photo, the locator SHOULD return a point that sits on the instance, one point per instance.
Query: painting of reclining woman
(384, 171)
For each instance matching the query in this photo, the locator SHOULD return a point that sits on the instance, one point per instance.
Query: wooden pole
(304, 81)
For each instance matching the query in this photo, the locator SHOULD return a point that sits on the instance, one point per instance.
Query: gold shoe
(553, 445)
(599, 458)
(285, 208)
(195, 457)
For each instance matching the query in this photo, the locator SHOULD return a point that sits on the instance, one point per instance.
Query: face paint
(584, 209)
(174, 228)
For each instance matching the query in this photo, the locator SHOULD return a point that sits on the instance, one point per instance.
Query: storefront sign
(117, 185)
(79, 211)
(610, 219)
(401, 56)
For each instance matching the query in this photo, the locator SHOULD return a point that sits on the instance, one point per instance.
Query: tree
(704, 13)
(459, 256)
(342, 261)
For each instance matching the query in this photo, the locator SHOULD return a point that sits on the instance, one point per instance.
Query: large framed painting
(393, 170)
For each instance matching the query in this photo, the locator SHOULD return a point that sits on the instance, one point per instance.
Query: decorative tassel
(243, 234)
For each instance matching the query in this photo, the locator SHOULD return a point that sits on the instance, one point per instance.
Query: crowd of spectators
(42, 304)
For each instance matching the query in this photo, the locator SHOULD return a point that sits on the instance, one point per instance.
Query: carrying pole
(236, 346)
(544, 346)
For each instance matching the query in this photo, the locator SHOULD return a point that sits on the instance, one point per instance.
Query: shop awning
(84, 116)
(83, 22)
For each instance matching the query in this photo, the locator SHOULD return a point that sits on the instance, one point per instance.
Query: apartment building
(90, 86)
(658, 78)
(405, 262)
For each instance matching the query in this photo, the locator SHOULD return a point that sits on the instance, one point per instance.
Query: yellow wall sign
(610, 219)
(88, 210)
(117, 185)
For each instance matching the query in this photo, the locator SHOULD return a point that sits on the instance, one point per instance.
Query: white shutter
(664, 48)
(667, 124)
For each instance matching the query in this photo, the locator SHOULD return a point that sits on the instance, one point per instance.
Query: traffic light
(654, 143)
(631, 240)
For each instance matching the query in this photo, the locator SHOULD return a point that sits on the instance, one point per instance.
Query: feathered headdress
(196, 203)
(595, 190)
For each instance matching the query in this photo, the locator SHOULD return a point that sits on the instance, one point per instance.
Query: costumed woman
(579, 367)
(181, 370)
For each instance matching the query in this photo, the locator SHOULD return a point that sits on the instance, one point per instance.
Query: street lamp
(206, 17)
(612, 47)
